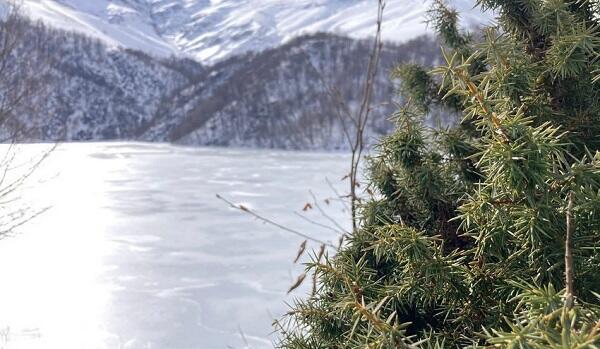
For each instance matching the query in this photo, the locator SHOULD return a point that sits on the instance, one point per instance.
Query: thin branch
(317, 223)
(337, 194)
(316, 203)
(268, 221)
(12, 186)
(21, 220)
(569, 269)
(362, 117)
(354, 124)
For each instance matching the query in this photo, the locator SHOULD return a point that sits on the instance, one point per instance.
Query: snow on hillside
(211, 30)
(275, 99)
(115, 24)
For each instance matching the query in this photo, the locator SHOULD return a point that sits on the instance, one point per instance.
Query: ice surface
(136, 251)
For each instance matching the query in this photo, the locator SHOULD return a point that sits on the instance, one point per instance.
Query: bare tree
(21, 82)
(354, 123)
(361, 118)
(22, 77)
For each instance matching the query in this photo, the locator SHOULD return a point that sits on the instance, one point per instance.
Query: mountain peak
(212, 30)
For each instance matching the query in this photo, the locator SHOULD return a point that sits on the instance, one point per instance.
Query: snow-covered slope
(114, 23)
(278, 98)
(82, 89)
(211, 30)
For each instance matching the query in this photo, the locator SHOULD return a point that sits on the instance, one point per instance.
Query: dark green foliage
(462, 243)
(417, 85)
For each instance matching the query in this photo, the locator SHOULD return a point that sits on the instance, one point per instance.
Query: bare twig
(10, 187)
(358, 144)
(317, 223)
(24, 216)
(271, 222)
(13, 215)
(243, 336)
(324, 214)
(569, 269)
(354, 124)
(21, 82)
(337, 194)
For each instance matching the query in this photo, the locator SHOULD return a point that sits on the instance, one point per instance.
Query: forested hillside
(279, 98)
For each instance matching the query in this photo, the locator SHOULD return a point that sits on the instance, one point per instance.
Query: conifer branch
(516, 92)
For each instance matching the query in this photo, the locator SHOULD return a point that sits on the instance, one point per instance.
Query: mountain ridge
(210, 31)
(277, 98)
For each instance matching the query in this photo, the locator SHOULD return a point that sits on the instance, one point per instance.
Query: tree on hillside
(21, 77)
(486, 233)
(21, 84)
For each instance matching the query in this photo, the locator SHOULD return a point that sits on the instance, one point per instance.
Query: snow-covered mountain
(209, 72)
(278, 98)
(212, 30)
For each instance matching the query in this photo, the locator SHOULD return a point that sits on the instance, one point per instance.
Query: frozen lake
(137, 252)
